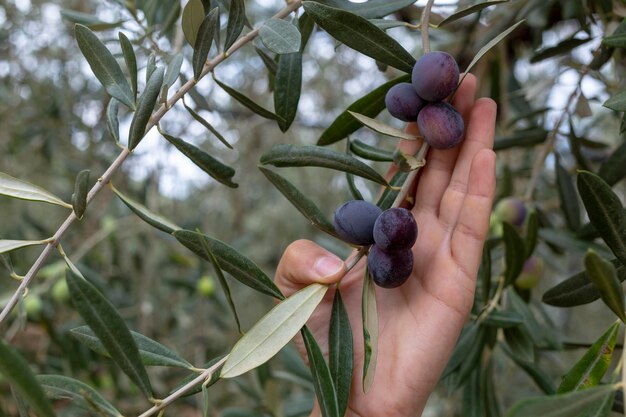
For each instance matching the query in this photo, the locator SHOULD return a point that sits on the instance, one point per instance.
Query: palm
(420, 321)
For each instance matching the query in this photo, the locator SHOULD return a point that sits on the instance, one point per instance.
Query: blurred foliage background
(52, 119)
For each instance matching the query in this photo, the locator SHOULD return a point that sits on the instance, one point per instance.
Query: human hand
(420, 321)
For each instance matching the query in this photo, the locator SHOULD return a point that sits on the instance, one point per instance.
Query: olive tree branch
(117, 163)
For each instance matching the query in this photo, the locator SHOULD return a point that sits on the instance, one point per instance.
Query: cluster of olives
(391, 234)
(434, 77)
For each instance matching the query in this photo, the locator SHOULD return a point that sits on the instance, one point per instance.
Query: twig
(102, 181)
(424, 25)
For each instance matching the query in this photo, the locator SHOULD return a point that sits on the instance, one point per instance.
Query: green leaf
(58, 387)
(487, 48)
(521, 138)
(371, 153)
(152, 352)
(468, 11)
(273, 331)
(590, 369)
(131, 61)
(361, 35)
(563, 47)
(389, 195)
(469, 335)
(204, 40)
(300, 201)
(106, 323)
(16, 188)
(144, 108)
(340, 351)
(605, 212)
(386, 24)
(578, 289)
(113, 124)
(503, 319)
(104, 66)
(206, 124)
(306, 24)
(224, 284)
(567, 196)
(515, 253)
(370, 9)
(369, 315)
(567, 240)
(236, 20)
(287, 88)
(298, 156)
(81, 188)
(520, 343)
(15, 370)
(193, 15)
(91, 21)
(280, 36)
(542, 380)
(217, 170)
(369, 105)
(572, 404)
(617, 102)
(613, 169)
(322, 377)
(617, 41)
(173, 70)
(484, 273)
(382, 128)
(146, 215)
(542, 337)
(604, 276)
(473, 396)
(150, 66)
(11, 245)
(243, 99)
(231, 261)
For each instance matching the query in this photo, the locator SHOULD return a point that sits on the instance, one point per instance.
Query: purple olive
(389, 269)
(354, 221)
(395, 229)
(403, 102)
(441, 125)
(435, 76)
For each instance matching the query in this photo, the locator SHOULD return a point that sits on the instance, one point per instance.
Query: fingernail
(328, 266)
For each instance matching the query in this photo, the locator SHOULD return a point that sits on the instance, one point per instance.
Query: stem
(204, 376)
(424, 22)
(102, 181)
(404, 191)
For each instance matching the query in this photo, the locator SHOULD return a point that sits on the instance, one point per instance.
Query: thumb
(305, 262)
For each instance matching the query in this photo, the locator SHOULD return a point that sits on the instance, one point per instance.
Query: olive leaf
(369, 152)
(280, 36)
(193, 15)
(604, 276)
(131, 61)
(288, 84)
(382, 128)
(11, 245)
(145, 106)
(323, 381)
(369, 315)
(16, 188)
(370, 9)
(468, 11)
(203, 42)
(81, 188)
(340, 351)
(79, 393)
(236, 21)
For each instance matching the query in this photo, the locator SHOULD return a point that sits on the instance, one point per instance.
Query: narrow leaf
(370, 153)
(152, 352)
(520, 343)
(192, 17)
(370, 9)
(369, 105)
(206, 124)
(590, 369)
(146, 215)
(567, 196)
(244, 100)
(173, 70)
(515, 252)
(468, 11)
(294, 156)
(563, 47)
(231, 261)
(542, 380)
(150, 66)
(389, 195)
(15, 370)
(236, 21)
(361, 35)
(106, 323)
(217, 170)
(306, 24)
(617, 41)
(81, 188)
(58, 387)
(113, 124)
(382, 128)
(104, 66)
(604, 276)
(144, 109)
(280, 36)
(11, 245)
(613, 170)
(322, 377)
(605, 212)
(578, 289)
(23, 190)
(204, 41)
(131, 62)
(300, 201)
(340, 352)
(369, 313)
(273, 331)
(542, 337)
(503, 319)
(91, 21)
(288, 84)
(617, 102)
(562, 405)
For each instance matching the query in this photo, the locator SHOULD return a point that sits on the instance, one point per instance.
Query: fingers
(466, 244)
(304, 263)
(438, 170)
